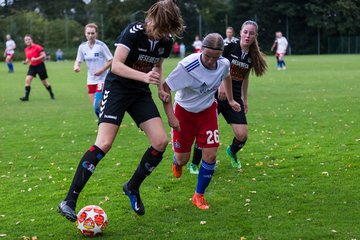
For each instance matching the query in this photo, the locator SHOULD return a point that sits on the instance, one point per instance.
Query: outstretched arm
(168, 108)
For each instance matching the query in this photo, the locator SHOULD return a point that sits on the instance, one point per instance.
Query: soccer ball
(91, 221)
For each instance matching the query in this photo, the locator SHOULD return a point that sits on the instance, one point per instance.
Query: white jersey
(282, 44)
(195, 85)
(10, 46)
(197, 44)
(233, 39)
(95, 58)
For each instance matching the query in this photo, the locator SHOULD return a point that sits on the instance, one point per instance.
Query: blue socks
(98, 96)
(205, 174)
(11, 67)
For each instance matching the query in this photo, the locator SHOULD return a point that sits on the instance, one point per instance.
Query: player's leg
(206, 171)
(207, 138)
(239, 140)
(146, 115)
(97, 99)
(28, 80)
(9, 62)
(196, 159)
(44, 79)
(86, 167)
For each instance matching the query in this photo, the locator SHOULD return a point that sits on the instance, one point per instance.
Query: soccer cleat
(234, 160)
(52, 96)
(199, 201)
(176, 170)
(24, 99)
(67, 211)
(135, 199)
(194, 169)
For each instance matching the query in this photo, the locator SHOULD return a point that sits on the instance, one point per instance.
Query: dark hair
(165, 17)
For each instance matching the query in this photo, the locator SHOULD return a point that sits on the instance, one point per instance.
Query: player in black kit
(141, 48)
(244, 55)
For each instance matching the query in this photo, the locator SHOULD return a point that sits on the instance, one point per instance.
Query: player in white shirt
(195, 80)
(98, 59)
(197, 44)
(281, 44)
(9, 52)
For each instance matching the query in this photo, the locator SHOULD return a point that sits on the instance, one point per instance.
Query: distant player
(195, 80)
(35, 55)
(98, 59)
(197, 44)
(281, 45)
(141, 49)
(9, 53)
(230, 35)
(244, 55)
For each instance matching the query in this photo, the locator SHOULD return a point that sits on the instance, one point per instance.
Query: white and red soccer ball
(91, 221)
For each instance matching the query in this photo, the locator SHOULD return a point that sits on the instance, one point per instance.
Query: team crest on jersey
(161, 51)
(176, 144)
(136, 28)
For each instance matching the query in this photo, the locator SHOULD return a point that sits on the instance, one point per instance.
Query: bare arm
(42, 56)
(77, 66)
(168, 108)
(273, 46)
(244, 92)
(229, 94)
(119, 68)
(103, 69)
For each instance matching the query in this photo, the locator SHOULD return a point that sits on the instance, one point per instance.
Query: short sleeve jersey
(195, 85)
(240, 64)
(34, 51)
(281, 45)
(10, 44)
(144, 54)
(95, 58)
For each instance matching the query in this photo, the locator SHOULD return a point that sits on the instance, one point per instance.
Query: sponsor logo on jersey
(136, 28)
(142, 50)
(96, 54)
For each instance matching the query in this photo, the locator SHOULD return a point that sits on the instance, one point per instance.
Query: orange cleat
(177, 170)
(199, 201)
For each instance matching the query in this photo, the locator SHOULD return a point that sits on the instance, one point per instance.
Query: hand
(221, 93)
(164, 96)
(24, 62)
(77, 69)
(152, 77)
(33, 59)
(174, 123)
(235, 106)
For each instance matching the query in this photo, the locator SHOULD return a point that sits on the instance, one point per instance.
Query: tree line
(307, 24)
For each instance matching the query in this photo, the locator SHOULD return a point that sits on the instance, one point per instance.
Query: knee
(105, 146)
(209, 156)
(160, 143)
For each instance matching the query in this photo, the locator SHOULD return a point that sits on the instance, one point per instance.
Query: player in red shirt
(35, 54)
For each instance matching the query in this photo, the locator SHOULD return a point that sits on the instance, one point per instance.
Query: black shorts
(38, 69)
(114, 103)
(229, 114)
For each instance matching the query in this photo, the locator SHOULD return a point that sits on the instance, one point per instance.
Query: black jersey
(240, 65)
(144, 54)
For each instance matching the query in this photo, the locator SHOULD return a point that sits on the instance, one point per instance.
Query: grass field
(300, 165)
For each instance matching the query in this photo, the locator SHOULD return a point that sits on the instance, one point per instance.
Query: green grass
(300, 165)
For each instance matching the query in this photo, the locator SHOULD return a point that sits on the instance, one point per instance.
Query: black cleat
(135, 199)
(52, 96)
(67, 211)
(24, 99)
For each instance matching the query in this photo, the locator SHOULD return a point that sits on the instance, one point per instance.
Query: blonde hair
(165, 17)
(91, 25)
(257, 57)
